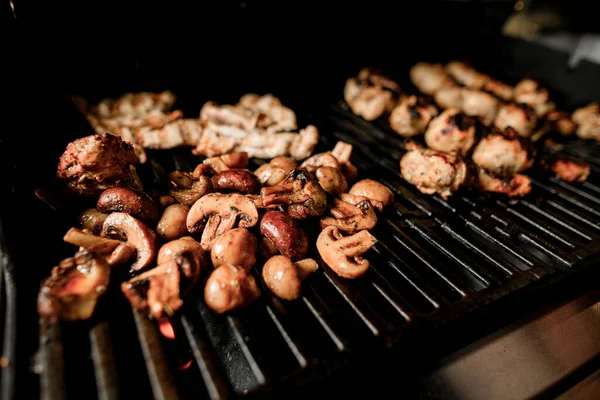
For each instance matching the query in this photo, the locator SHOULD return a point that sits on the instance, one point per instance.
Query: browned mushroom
(172, 223)
(72, 290)
(221, 213)
(354, 199)
(115, 251)
(268, 175)
(92, 220)
(285, 163)
(230, 287)
(237, 247)
(188, 190)
(331, 180)
(284, 234)
(320, 160)
(228, 161)
(350, 218)
(129, 201)
(300, 192)
(342, 152)
(344, 254)
(237, 180)
(188, 253)
(374, 191)
(284, 277)
(124, 227)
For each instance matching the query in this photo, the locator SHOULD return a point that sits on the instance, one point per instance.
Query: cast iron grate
(435, 260)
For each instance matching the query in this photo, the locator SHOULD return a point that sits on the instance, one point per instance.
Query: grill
(436, 263)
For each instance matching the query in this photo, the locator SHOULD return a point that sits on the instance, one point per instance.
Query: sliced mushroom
(230, 287)
(350, 218)
(320, 160)
(188, 190)
(237, 247)
(344, 254)
(115, 251)
(188, 253)
(92, 220)
(300, 192)
(221, 213)
(284, 234)
(227, 161)
(284, 277)
(331, 180)
(354, 199)
(268, 175)
(237, 180)
(124, 227)
(374, 191)
(129, 201)
(72, 290)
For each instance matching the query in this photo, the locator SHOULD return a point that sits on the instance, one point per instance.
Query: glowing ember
(165, 327)
(185, 366)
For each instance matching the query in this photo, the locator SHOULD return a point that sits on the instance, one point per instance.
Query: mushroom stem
(284, 193)
(210, 231)
(342, 209)
(121, 254)
(342, 151)
(306, 267)
(94, 244)
(357, 244)
(181, 180)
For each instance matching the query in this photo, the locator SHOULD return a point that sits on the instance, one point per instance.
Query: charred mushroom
(92, 220)
(72, 291)
(374, 191)
(350, 218)
(124, 227)
(228, 161)
(137, 204)
(230, 287)
(354, 199)
(236, 180)
(172, 223)
(344, 254)
(300, 192)
(236, 247)
(284, 277)
(284, 234)
(188, 253)
(221, 213)
(331, 180)
(188, 190)
(320, 160)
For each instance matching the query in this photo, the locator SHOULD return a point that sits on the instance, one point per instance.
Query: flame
(165, 327)
(185, 366)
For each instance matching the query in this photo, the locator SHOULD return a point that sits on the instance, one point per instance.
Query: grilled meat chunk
(513, 186)
(475, 103)
(451, 131)
(95, 163)
(429, 78)
(588, 120)
(370, 94)
(533, 93)
(567, 170)
(433, 172)
(503, 153)
(412, 115)
(467, 76)
(521, 117)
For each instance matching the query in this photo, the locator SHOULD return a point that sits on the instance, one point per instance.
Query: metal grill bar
(107, 382)
(52, 362)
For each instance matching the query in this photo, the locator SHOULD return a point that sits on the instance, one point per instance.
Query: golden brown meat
(533, 93)
(95, 163)
(521, 117)
(412, 115)
(451, 131)
(429, 78)
(513, 186)
(370, 94)
(588, 120)
(433, 172)
(475, 103)
(503, 153)
(568, 170)
(467, 76)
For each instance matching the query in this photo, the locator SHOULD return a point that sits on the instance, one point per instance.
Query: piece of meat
(412, 115)
(588, 120)
(475, 103)
(182, 132)
(513, 186)
(370, 94)
(531, 92)
(498, 89)
(73, 288)
(429, 78)
(561, 122)
(95, 163)
(451, 131)
(503, 153)
(567, 170)
(135, 104)
(433, 172)
(467, 76)
(279, 118)
(521, 117)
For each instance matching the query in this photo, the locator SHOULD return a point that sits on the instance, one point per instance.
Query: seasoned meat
(451, 131)
(132, 105)
(561, 122)
(95, 163)
(370, 94)
(182, 132)
(588, 120)
(471, 78)
(568, 170)
(432, 171)
(499, 89)
(521, 117)
(503, 153)
(278, 117)
(531, 92)
(512, 186)
(472, 102)
(412, 115)
(429, 78)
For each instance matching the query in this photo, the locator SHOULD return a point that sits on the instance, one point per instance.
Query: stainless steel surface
(527, 359)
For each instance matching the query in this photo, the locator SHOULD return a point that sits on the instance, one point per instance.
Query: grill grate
(434, 261)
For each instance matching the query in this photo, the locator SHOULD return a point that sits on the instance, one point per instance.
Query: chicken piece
(561, 122)
(279, 118)
(474, 103)
(521, 117)
(73, 288)
(95, 163)
(451, 131)
(412, 115)
(429, 78)
(135, 104)
(503, 153)
(432, 171)
(531, 92)
(241, 117)
(588, 120)
(513, 186)
(498, 89)
(567, 170)
(466, 75)
(183, 132)
(371, 94)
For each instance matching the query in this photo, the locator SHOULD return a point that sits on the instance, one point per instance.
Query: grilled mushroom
(272, 173)
(326, 159)
(283, 233)
(354, 200)
(284, 277)
(129, 201)
(230, 287)
(124, 227)
(379, 194)
(238, 180)
(350, 218)
(236, 247)
(331, 180)
(227, 161)
(172, 223)
(221, 213)
(188, 190)
(344, 254)
(115, 251)
(92, 219)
